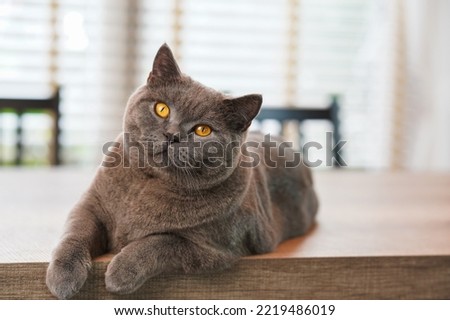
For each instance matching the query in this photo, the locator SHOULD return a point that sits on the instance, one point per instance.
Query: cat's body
(166, 219)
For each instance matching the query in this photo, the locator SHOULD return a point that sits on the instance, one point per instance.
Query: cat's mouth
(153, 147)
(171, 155)
(176, 155)
(160, 149)
(182, 159)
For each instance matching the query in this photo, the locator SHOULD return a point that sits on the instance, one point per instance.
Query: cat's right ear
(241, 111)
(165, 68)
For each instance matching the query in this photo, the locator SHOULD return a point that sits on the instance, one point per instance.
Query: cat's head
(186, 128)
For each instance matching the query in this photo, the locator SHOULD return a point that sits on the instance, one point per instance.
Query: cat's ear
(241, 111)
(165, 68)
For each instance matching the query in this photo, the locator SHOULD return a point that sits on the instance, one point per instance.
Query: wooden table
(379, 235)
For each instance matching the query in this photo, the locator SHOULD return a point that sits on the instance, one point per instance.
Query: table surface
(362, 214)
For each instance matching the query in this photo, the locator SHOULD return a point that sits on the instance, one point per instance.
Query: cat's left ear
(241, 111)
(165, 68)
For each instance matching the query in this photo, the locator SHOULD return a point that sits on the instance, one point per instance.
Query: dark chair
(22, 106)
(331, 113)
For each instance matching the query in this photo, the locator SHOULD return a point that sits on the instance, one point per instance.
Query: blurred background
(388, 61)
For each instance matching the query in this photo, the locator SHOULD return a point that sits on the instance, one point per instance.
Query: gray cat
(179, 193)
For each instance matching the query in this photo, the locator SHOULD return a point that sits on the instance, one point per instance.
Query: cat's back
(289, 181)
(278, 157)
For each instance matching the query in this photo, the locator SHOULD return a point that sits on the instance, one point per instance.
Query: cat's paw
(66, 277)
(123, 276)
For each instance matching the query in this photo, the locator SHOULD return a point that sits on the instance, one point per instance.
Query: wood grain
(379, 235)
(307, 278)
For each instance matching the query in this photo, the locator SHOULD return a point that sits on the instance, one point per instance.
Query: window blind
(294, 52)
(79, 45)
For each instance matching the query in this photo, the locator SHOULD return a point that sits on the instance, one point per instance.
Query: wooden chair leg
(19, 140)
(334, 109)
(55, 144)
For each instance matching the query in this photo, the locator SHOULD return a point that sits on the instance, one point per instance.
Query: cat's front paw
(66, 277)
(123, 276)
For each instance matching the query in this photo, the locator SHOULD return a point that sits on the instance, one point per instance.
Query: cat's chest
(138, 209)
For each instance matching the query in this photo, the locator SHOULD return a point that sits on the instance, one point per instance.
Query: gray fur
(172, 220)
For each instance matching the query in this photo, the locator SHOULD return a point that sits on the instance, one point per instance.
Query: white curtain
(428, 84)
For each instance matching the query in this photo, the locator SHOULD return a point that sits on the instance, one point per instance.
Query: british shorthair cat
(179, 193)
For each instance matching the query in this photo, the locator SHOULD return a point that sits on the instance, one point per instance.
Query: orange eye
(203, 130)
(162, 110)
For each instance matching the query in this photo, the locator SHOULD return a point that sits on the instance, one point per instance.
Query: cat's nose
(172, 137)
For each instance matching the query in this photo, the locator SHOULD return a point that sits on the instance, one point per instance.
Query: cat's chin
(158, 149)
(187, 179)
